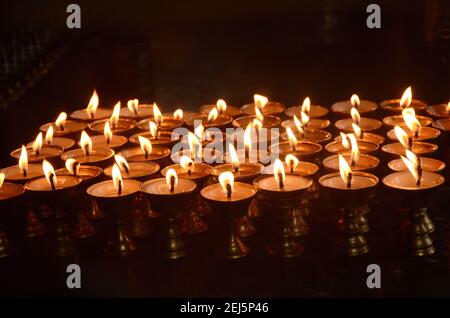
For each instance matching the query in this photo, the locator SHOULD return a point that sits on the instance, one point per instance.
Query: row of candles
(238, 190)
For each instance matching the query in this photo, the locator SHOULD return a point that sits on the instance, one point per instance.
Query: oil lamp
(414, 186)
(263, 121)
(407, 142)
(146, 152)
(198, 172)
(364, 123)
(65, 143)
(231, 201)
(349, 190)
(196, 152)
(427, 164)
(162, 122)
(136, 111)
(397, 105)
(9, 194)
(302, 133)
(212, 119)
(207, 137)
(168, 196)
(345, 107)
(92, 111)
(300, 149)
(223, 109)
(138, 170)
(108, 139)
(38, 151)
(442, 124)
(306, 122)
(263, 104)
(413, 127)
(23, 171)
(281, 194)
(342, 145)
(439, 110)
(115, 197)
(64, 127)
(156, 136)
(365, 136)
(313, 111)
(117, 125)
(88, 155)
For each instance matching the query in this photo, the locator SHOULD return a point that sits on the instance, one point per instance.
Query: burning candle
(92, 111)
(261, 120)
(222, 107)
(404, 102)
(136, 111)
(212, 119)
(117, 125)
(23, 171)
(439, 110)
(145, 152)
(51, 182)
(413, 127)
(162, 122)
(313, 111)
(306, 122)
(365, 136)
(364, 123)
(263, 104)
(38, 151)
(426, 164)
(297, 148)
(407, 142)
(196, 151)
(86, 154)
(345, 107)
(108, 139)
(308, 134)
(65, 143)
(140, 170)
(64, 127)
(342, 145)
(188, 169)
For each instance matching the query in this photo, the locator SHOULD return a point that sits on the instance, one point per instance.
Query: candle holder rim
(202, 164)
(290, 123)
(347, 154)
(441, 167)
(391, 134)
(21, 190)
(217, 185)
(290, 111)
(215, 170)
(28, 187)
(340, 124)
(418, 104)
(386, 148)
(14, 167)
(374, 148)
(424, 120)
(146, 183)
(98, 184)
(93, 125)
(433, 110)
(143, 123)
(357, 173)
(276, 120)
(441, 181)
(438, 124)
(16, 152)
(109, 153)
(107, 111)
(318, 147)
(263, 177)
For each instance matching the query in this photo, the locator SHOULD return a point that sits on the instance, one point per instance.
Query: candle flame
(49, 172)
(114, 119)
(122, 162)
(402, 136)
(199, 131)
(291, 136)
(226, 178)
(354, 100)
(145, 144)
(221, 106)
(344, 168)
(411, 121)
(157, 115)
(355, 149)
(298, 125)
(186, 162)
(344, 141)
(153, 128)
(257, 124)
(260, 101)
(259, 114)
(291, 161)
(107, 132)
(2, 179)
(178, 114)
(61, 120)
(234, 156)
(70, 164)
(133, 105)
(248, 137)
(49, 135)
(117, 177)
(357, 130)
(37, 144)
(278, 173)
(23, 160)
(213, 114)
(412, 163)
(86, 143)
(304, 118)
(406, 99)
(91, 108)
(193, 142)
(171, 174)
(355, 115)
(447, 108)
(306, 106)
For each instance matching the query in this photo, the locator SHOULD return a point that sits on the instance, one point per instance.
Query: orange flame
(157, 115)
(171, 174)
(355, 149)
(406, 99)
(344, 141)
(153, 128)
(306, 106)
(411, 121)
(86, 143)
(2, 179)
(260, 101)
(23, 161)
(213, 114)
(107, 132)
(248, 137)
(186, 162)
(133, 105)
(117, 178)
(344, 169)
(291, 136)
(278, 173)
(145, 144)
(199, 131)
(91, 108)
(412, 163)
(61, 120)
(447, 108)
(114, 119)
(226, 179)
(178, 114)
(402, 136)
(221, 106)
(49, 172)
(70, 164)
(122, 163)
(234, 157)
(357, 130)
(355, 115)
(257, 124)
(37, 144)
(49, 135)
(259, 114)
(298, 125)
(354, 100)
(291, 161)
(304, 118)
(193, 142)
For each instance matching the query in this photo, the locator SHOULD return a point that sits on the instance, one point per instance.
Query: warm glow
(122, 163)
(61, 120)
(258, 114)
(171, 174)
(213, 114)
(49, 135)
(354, 100)
(193, 141)
(199, 131)
(355, 115)
(107, 132)
(234, 156)
(221, 106)
(260, 101)
(114, 119)
(117, 177)
(86, 143)
(37, 144)
(186, 162)
(298, 125)
(248, 137)
(71, 164)
(2, 178)
(157, 115)
(405, 101)
(153, 128)
(306, 106)
(226, 178)
(291, 161)
(278, 173)
(133, 105)
(344, 168)
(91, 109)
(178, 114)
(49, 172)
(145, 144)
(412, 163)
(23, 161)
(304, 118)
(257, 124)
(447, 108)
(355, 149)
(357, 130)
(411, 121)
(291, 136)
(344, 141)
(402, 136)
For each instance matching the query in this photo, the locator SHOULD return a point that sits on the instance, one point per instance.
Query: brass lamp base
(245, 227)
(232, 247)
(120, 244)
(298, 225)
(419, 230)
(33, 226)
(83, 228)
(94, 212)
(63, 242)
(174, 244)
(5, 248)
(353, 241)
(284, 243)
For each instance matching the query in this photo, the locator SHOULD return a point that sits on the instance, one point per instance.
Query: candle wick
(146, 154)
(74, 167)
(362, 135)
(108, 140)
(126, 169)
(280, 180)
(190, 169)
(229, 191)
(156, 134)
(119, 191)
(410, 142)
(419, 172)
(349, 180)
(416, 134)
(38, 152)
(52, 181)
(292, 167)
(172, 183)
(24, 172)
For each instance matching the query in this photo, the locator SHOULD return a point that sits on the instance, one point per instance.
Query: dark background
(187, 53)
